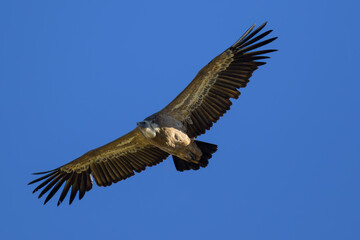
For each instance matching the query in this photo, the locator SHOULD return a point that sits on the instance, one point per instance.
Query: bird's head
(147, 129)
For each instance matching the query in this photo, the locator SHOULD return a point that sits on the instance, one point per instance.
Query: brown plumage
(170, 131)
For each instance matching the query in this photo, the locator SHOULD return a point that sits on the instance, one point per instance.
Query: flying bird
(171, 131)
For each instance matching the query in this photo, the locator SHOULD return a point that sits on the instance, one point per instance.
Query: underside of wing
(108, 164)
(207, 97)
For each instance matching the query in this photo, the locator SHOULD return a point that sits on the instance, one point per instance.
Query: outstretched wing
(108, 164)
(207, 97)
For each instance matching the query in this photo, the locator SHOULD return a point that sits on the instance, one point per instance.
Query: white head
(147, 129)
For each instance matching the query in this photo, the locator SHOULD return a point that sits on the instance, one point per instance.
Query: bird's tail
(207, 150)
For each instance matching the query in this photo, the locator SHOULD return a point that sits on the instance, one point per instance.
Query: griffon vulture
(171, 131)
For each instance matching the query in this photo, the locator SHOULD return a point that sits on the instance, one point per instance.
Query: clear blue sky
(75, 75)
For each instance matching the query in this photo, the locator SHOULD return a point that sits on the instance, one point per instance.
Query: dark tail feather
(207, 150)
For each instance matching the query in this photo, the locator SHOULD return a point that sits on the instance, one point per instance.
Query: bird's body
(171, 137)
(171, 131)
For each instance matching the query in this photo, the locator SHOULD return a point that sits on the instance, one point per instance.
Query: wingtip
(272, 39)
(46, 200)
(38, 173)
(269, 51)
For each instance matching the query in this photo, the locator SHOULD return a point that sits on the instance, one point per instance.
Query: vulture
(171, 131)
